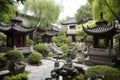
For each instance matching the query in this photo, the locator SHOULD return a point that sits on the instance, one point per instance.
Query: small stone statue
(69, 62)
(56, 65)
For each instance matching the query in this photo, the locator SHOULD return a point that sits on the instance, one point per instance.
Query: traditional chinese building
(102, 51)
(16, 33)
(70, 27)
(47, 34)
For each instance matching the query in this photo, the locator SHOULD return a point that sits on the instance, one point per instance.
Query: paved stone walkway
(43, 71)
(40, 72)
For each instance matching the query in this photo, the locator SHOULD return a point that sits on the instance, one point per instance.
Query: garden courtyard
(35, 44)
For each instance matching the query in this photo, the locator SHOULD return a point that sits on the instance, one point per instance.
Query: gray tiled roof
(70, 21)
(15, 28)
(98, 30)
(51, 33)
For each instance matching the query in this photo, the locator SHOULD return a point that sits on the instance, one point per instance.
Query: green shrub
(64, 48)
(40, 47)
(22, 76)
(14, 54)
(50, 54)
(68, 39)
(80, 77)
(75, 47)
(34, 58)
(3, 36)
(54, 39)
(106, 72)
(30, 42)
(2, 56)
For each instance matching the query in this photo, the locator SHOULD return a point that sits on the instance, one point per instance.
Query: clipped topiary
(30, 42)
(103, 72)
(64, 48)
(15, 66)
(14, 54)
(2, 56)
(34, 58)
(40, 47)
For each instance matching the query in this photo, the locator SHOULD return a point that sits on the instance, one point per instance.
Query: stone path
(43, 71)
(40, 72)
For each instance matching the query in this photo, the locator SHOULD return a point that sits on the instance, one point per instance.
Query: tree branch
(112, 11)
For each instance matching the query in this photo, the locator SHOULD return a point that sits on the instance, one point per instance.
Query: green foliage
(7, 9)
(50, 54)
(62, 36)
(34, 58)
(75, 47)
(30, 42)
(68, 39)
(2, 56)
(64, 48)
(84, 13)
(40, 47)
(3, 36)
(80, 35)
(88, 40)
(80, 77)
(62, 39)
(117, 38)
(105, 72)
(100, 6)
(43, 11)
(14, 54)
(101, 43)
(89, 23)
(22, 76)
(54, 39)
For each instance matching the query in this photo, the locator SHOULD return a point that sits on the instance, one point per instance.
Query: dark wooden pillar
(24, 40)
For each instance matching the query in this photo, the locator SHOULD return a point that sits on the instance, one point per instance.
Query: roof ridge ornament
(101, 15)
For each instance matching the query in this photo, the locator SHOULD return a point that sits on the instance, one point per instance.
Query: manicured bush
(34, 58)
(64, 48)
(3, 36)
(22, 76)
(14, 54)
(104, 72)
(40, 47)
(2, 56)
(30, 42)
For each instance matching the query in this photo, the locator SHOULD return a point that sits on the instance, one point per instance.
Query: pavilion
(102, 51)
(47, 34)
(16, 33)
